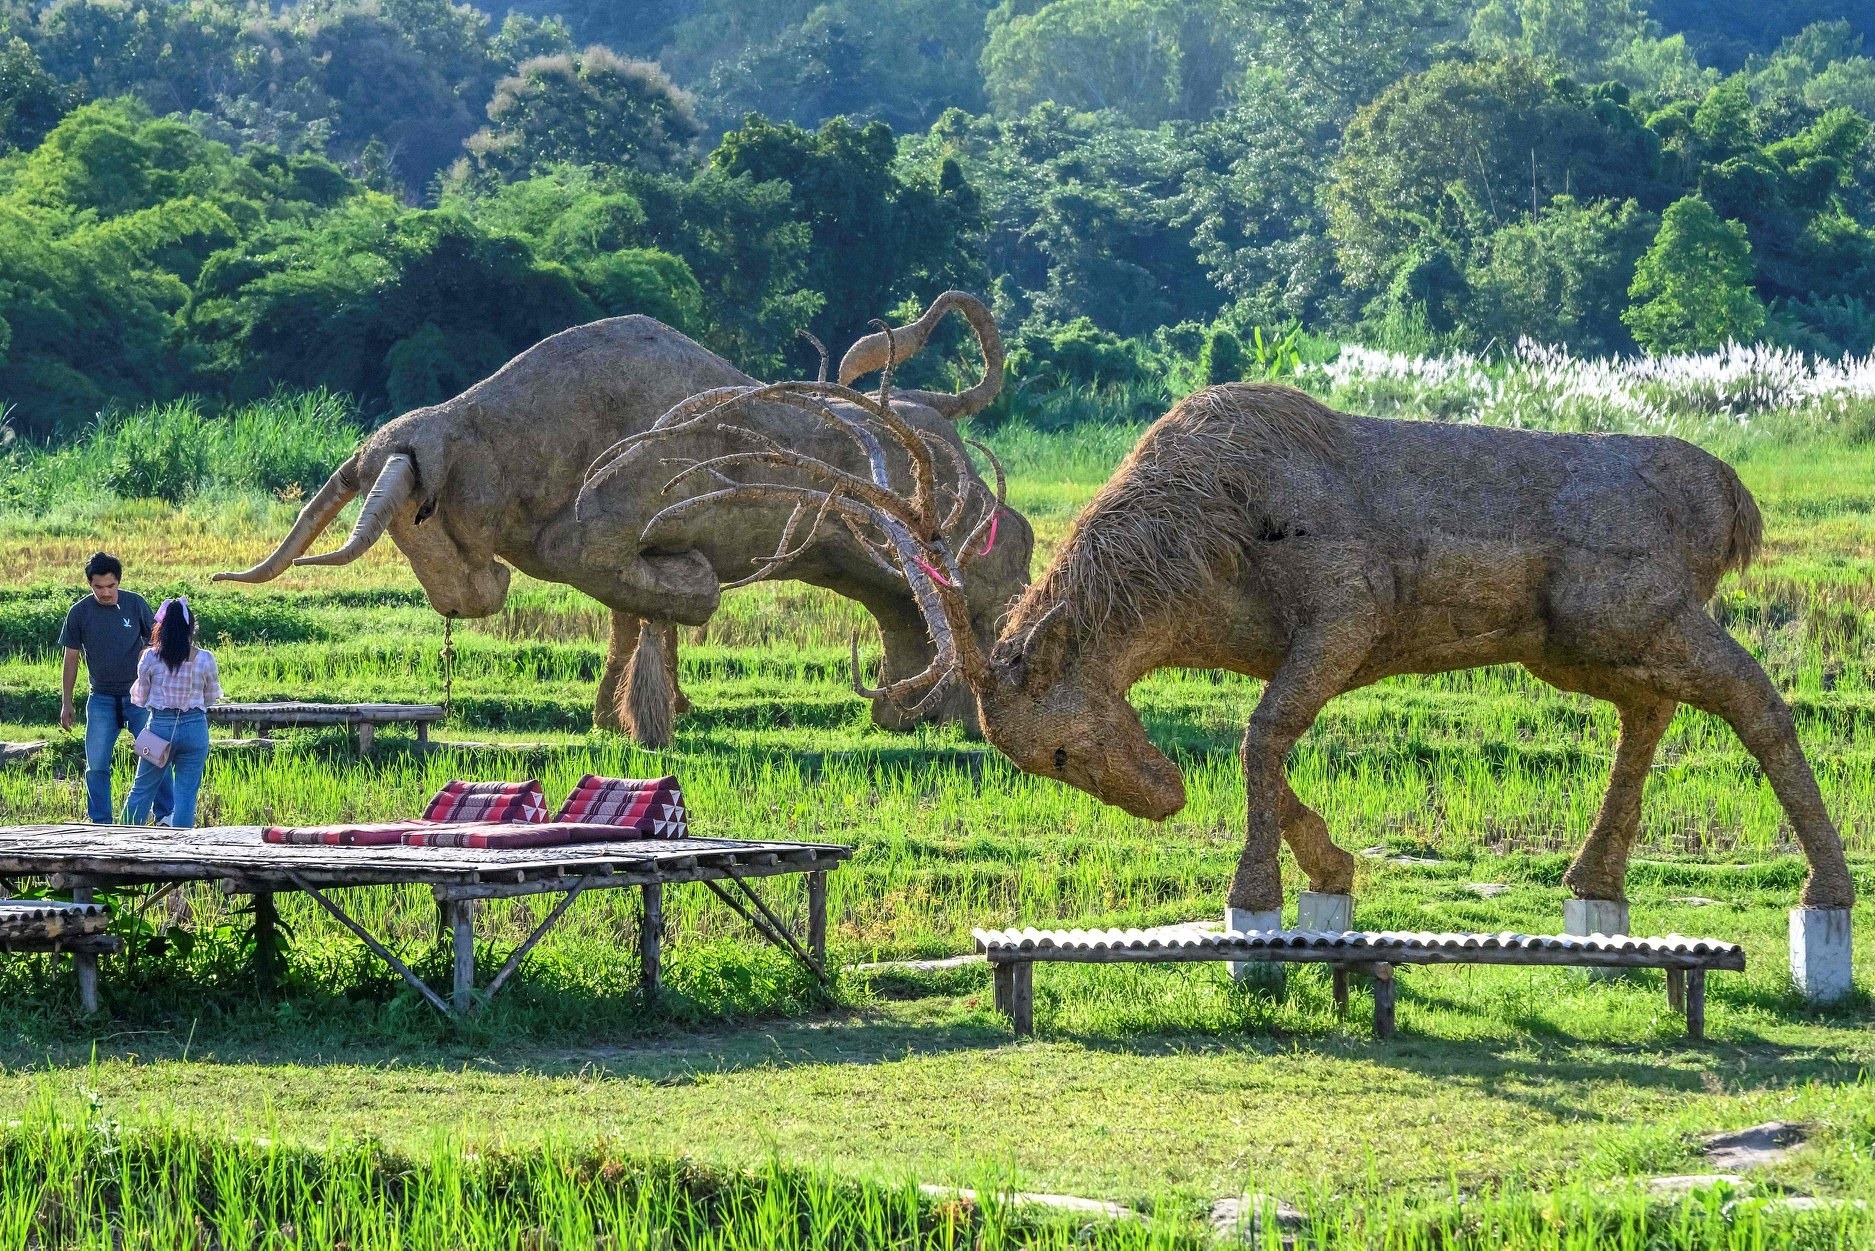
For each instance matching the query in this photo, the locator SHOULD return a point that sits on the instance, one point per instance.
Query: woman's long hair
(175, 634)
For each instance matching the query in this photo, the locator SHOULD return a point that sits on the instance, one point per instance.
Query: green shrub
(1221, 359)
(157, 453)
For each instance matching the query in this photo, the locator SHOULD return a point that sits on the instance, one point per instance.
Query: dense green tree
(596, 228)
(1586, 36)
(31, 100)
(1465, 148)
(902, 62)
(399, 307)
(1344, 53)
(748, 252)
(1148, 60)
(1253, 198)
(1692, 289)
(592, 107)
(1561, 277)
(1725, 33)
(1083, 218)
(879, 233)
(102, 228)
(1074, 353)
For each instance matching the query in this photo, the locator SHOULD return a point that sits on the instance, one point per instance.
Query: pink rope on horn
(995, 520)
(937, 577)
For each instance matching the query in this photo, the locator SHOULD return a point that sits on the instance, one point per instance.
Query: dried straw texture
(1257, 530)
(647, 712)
(491, 480)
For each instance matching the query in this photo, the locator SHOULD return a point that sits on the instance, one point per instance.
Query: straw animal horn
(318, 513)
(395, 482)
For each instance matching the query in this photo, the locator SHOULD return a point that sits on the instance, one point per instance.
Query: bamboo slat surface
(1187, 942)
(289, 714)
(108, 853)
(22, 919)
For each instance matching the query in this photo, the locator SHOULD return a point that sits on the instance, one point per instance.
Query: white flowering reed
(1548, 388)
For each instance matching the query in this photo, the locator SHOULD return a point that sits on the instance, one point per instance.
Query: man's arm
(66, 713)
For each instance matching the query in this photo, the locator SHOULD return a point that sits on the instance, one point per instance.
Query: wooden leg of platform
(1696, 1004)
(1383, 1001)
(1005, 988)
(1676, 990)
(423, 734)
(817, 916)
(85, 963)
(1341, 990)
(367, 734)
(1022, 998)
(462, 940)
(266, 940)
(650, 942)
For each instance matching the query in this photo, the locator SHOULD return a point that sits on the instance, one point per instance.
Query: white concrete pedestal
(1820, 960)
(1332, 914)
(1262, 975)
(1583, 917)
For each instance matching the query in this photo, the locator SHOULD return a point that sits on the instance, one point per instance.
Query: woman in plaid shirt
(176, 681)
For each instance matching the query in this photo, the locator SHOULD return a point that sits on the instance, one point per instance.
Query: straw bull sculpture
(492, 476)
(1256, 530)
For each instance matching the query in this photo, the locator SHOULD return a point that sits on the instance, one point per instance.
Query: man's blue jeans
(105, 717)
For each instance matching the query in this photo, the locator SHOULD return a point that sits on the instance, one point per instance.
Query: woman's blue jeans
(106, 716)
(187, 732)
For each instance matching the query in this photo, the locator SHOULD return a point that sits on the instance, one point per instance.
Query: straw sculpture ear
(1045, 651)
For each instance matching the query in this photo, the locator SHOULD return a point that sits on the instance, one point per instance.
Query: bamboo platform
(1375, 953)
(83, 858)
(363, 718)
(55, 927)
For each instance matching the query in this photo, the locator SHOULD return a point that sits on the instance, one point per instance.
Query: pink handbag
(151, 746)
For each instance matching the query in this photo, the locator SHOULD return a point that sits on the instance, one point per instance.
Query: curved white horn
(309, 525)
(395, 482)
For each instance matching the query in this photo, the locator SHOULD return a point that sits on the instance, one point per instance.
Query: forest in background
(389, 198)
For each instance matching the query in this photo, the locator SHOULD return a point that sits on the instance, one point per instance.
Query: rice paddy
(1518, 1107)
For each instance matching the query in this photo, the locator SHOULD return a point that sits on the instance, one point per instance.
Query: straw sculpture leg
(1601, 868)
(1315, 671)
(1697, 662)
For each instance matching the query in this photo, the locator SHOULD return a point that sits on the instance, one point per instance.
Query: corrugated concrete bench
(49, 925)
(83, 858)
(1013, 954)
(364, 718)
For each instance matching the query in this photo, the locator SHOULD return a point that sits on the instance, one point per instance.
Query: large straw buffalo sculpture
(490, 479)
(1256, 530)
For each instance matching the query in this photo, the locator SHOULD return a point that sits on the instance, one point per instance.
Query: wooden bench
(364, 718)
(1014, 953)
(49, 925)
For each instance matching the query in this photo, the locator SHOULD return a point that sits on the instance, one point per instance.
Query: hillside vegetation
(388, 198)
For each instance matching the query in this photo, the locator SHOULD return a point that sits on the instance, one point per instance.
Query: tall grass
(71, 1180)
(282, 446)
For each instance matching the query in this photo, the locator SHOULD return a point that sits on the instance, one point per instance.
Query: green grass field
(1537, 1094)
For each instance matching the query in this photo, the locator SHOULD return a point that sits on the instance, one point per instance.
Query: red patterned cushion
(515, 834)
(488, 801)
(650, 806)
(380, 834)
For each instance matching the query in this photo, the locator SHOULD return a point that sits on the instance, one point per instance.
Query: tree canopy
(391, 197)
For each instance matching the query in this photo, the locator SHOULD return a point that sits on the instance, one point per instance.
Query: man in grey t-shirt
(109, 628)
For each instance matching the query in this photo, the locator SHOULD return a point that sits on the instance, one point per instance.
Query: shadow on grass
(1542, 1068)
